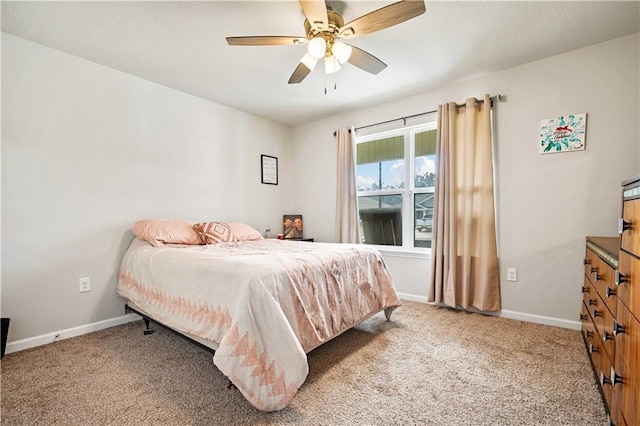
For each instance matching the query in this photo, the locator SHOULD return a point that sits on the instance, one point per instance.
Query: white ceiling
(182, 45)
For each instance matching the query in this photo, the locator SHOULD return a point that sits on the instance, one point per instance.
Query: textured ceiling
(182, 45)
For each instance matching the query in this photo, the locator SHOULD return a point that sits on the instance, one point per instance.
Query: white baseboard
(538, 319)
(32, 342)
(412, 297)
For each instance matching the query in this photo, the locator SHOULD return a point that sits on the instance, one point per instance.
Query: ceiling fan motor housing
(329, 35)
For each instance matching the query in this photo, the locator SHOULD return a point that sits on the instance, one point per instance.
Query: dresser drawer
(588, 291)
(615, 414)
(596, 352)
(599, 278)
(588, 327)
(605, 380)
(590, 262)
(630, 228)
(627, 365)
(603, 321)
(628, 282)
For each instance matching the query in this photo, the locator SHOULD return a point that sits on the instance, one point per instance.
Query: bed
(262, 304)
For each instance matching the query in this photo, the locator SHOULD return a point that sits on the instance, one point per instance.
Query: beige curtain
(464, 262)
(346, 202)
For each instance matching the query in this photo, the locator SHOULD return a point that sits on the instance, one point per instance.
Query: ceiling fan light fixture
(331, 65)
(341, 51)
(317, 47)
(309, 61)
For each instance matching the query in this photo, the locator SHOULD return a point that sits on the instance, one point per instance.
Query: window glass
(425, 159)
(382, 175)
(425, 171)
(381, 219)
(380, 164)
(423, 219)
(395, 178)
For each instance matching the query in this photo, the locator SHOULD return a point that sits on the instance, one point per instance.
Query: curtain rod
(492, 99)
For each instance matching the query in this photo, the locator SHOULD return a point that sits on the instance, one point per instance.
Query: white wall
(547, 204)
(87, 151)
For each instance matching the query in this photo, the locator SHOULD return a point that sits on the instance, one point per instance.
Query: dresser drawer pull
(604, 380)
(593, 349)
(589, 334)
(583, 317)
(586, 261)
(607, 336)
(597, 276)
(596, 313)
(618, 328)
(592, 302)
(593, 269)
(615, 377)
(621, 278)
(623, 225)
(608, 291)
(585, 289)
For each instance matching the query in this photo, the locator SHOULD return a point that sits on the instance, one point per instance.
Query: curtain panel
(464, 261)
(346, 201)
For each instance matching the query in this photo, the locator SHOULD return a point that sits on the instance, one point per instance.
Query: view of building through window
(395, 175)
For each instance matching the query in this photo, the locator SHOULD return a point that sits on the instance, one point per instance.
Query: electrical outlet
(512, 274)
(268, 229)
(85, 284)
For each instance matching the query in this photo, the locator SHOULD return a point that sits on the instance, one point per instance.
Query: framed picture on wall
(269, 169)
(563, 134)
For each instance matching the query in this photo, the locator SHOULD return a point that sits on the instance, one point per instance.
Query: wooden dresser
(611, 311)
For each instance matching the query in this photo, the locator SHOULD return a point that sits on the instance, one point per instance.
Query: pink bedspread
(266, 303)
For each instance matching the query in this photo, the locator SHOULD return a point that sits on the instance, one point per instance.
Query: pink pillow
(214, 232)
(244, 232)
(159, 232)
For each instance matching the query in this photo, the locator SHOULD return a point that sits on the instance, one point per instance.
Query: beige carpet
(426, 366)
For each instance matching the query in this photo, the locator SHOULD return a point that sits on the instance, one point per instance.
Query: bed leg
(148, 330)
(388, 311)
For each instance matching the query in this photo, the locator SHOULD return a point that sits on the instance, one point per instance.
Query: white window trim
(407, 192)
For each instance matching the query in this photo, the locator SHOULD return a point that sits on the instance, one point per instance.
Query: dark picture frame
(292, 226)
(269, 169)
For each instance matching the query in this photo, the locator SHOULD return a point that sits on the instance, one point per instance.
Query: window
(395, 174)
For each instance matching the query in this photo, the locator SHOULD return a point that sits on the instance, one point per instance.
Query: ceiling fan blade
(380, 19)
(265, 40)
(366, 61)
(316, 13)
(299, 74)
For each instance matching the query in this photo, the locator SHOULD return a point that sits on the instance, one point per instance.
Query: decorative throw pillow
(244, 232)
(159, 232)
(214, 232)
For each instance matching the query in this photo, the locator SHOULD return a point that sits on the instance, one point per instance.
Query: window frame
(409, 190)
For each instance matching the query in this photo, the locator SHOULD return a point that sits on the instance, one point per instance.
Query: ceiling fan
(324, 30)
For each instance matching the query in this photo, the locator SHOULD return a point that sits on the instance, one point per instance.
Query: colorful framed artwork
(563, 134)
